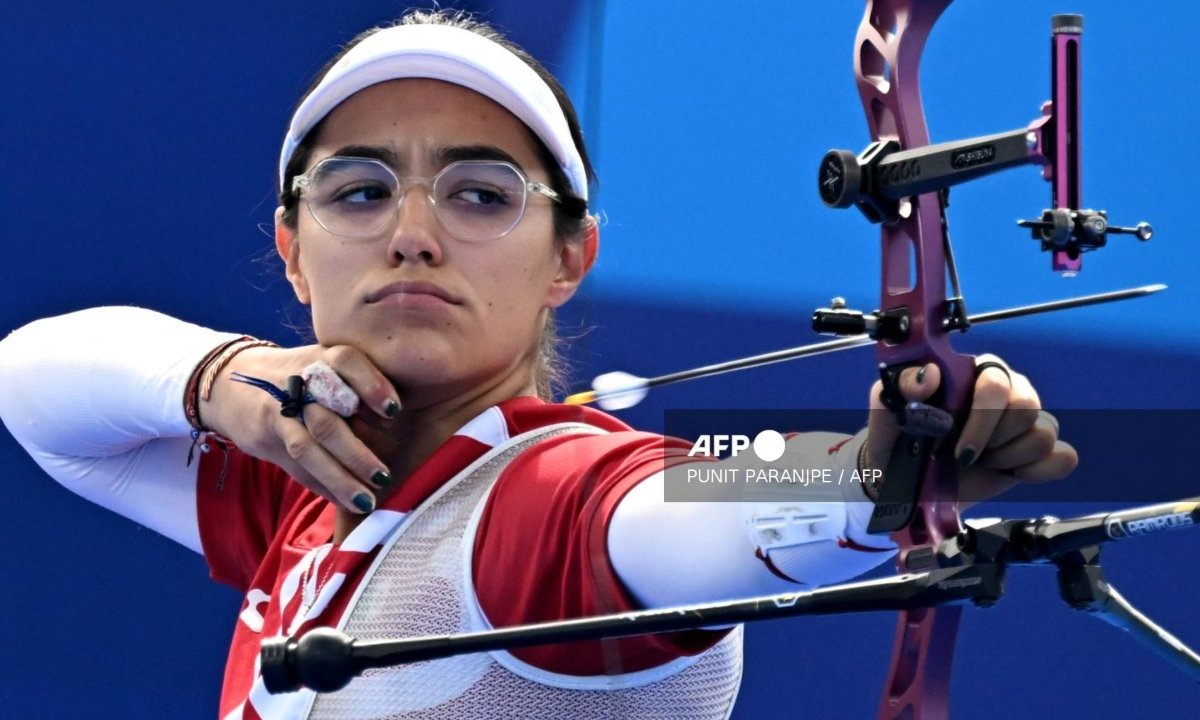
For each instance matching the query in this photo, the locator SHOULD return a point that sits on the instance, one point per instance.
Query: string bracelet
(200, 384)
(223, 359)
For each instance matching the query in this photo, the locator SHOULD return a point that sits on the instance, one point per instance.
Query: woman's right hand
(322, 453)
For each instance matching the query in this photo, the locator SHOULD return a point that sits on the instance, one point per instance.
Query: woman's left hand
(1007, 437)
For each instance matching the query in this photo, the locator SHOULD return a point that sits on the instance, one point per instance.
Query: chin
(416, 368)
(427, 360)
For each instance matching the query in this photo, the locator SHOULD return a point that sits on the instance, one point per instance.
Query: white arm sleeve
(96, 398)
(675, 553)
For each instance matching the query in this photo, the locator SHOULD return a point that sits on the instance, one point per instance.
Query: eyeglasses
(473, 200)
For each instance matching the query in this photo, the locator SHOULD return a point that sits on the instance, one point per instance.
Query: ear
(575, 260)
(289, 251)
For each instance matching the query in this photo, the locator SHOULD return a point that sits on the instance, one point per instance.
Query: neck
(428, 419)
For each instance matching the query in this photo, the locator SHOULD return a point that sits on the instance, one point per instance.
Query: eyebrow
(445, 156)
(442, 156)
(371, 152)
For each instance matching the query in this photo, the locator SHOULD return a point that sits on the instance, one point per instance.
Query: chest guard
(420, 584)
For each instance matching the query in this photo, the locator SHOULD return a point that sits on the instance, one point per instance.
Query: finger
(920, 383)
(1058, 464)
(978, 484)
(301, 476)
(1029, 447)
(366, 380)
(1021, 415)
(992, 390)
(916, 383)
(338, 439)
(883, 430)
(329, 389)
(325, 476)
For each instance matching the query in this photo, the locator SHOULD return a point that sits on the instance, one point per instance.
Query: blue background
(139, 151)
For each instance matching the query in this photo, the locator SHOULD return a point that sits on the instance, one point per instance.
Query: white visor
(453, 55)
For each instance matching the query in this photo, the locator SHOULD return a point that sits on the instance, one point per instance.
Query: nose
(415, 235)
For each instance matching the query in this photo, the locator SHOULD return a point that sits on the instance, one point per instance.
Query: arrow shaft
(855, 341)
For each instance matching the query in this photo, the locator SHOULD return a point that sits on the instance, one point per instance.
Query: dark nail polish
(382, 478)
(392, 408)
(966, 457)
(921, 375)
(363, 502)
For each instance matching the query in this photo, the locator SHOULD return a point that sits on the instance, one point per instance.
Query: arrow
(620, 390)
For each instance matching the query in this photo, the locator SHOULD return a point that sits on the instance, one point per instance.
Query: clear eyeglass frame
(302, 185)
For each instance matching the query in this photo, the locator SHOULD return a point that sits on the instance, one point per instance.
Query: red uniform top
(540, 550)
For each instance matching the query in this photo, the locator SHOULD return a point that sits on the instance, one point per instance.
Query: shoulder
(540, 550)
(579, 464)
(566, 486)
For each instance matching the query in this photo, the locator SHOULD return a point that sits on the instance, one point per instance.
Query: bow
(901, 182)
(890, 42)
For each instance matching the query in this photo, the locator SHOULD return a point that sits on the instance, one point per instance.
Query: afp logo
(768, 445)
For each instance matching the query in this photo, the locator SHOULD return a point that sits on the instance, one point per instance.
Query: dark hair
(570, 218)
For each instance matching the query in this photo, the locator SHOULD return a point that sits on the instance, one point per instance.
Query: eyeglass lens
(474, 200)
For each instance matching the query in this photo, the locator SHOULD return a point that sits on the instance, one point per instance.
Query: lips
(413, 288)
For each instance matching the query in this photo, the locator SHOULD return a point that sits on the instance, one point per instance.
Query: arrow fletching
(612, 391)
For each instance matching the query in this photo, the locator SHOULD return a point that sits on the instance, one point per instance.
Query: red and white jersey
(538, 553)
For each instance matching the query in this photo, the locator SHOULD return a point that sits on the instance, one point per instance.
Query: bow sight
(881, 178)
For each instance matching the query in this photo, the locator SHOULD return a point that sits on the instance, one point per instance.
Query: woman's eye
(361, 194)
(479, 196)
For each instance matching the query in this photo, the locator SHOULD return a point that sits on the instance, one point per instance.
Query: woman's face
(472, 321)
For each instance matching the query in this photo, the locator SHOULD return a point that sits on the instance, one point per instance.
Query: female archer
(408, 473)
